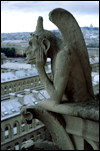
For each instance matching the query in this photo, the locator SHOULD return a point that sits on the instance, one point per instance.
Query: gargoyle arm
(62, 69)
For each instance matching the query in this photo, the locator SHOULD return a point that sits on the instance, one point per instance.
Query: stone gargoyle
(71, 74)
(69, 59)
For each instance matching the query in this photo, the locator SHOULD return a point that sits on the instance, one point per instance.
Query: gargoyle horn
(39, 26)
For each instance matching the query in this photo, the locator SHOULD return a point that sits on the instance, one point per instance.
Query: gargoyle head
(40, 39)
(35, 44)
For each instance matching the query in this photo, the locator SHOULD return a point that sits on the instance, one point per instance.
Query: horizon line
(49, 30)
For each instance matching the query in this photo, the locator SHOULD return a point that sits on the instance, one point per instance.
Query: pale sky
(21, 16)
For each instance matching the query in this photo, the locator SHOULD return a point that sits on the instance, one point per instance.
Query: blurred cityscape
(91, 36)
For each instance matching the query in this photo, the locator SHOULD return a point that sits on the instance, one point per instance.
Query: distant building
(19, 78)
(19, 45)
(93, 51)
(14, 130)
(20, 87)
(91, 26)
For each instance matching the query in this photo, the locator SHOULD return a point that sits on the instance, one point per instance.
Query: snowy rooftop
(11, 107)
(94, 59)
(11, 65)
(10, 76)
(95, 78)
(17, 66)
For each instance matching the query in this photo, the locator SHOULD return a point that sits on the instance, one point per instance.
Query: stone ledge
(87, 110)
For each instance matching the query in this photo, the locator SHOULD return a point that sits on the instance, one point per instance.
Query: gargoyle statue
(69, 59)
(71, 75)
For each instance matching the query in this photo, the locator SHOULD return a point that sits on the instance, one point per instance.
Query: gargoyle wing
(73, 38)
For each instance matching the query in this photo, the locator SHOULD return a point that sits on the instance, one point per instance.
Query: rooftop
(14, 41)
(20, 73)
(15, 65)
(9, 76)
(11, 107)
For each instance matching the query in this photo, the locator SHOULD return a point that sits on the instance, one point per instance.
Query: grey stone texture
(69, 59)
(71, 114)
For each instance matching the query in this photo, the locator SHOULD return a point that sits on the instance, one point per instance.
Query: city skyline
(21, 16)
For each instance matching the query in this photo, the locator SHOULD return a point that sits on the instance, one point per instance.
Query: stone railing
(73, 126)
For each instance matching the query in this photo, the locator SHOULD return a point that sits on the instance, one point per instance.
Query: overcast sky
(21, 16)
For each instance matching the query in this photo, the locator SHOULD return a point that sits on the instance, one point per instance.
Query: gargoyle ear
(46, 43)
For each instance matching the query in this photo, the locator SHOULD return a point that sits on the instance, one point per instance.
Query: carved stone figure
(71, 114)
(69, 59)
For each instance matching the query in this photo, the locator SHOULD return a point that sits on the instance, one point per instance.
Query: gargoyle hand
(25, 112)
(23, 109)
(40, 58)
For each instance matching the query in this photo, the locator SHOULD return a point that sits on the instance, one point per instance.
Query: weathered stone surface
(40, 145)
(84, 109)
(61, 125)
(54, 123)
(69, 58)
(70, 90)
